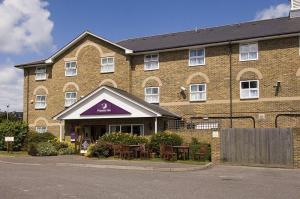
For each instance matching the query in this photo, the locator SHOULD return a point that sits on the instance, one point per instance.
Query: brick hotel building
(237, 75)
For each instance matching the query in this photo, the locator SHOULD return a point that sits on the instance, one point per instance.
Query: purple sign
(105, 108)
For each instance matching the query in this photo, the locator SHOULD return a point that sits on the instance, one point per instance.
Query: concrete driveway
(41, 178)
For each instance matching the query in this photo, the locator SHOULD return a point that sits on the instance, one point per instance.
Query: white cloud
(25, 26)
(280, 10)
(11, 87)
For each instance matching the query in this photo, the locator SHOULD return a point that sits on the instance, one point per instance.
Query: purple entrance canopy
(104, 107)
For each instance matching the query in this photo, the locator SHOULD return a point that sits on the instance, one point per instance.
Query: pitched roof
(235, 32)
(206, 36)
(152, 107)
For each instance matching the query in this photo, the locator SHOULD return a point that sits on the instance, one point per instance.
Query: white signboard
(9, 139)
(215, 134)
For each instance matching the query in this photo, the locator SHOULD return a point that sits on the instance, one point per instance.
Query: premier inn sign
(104, 107)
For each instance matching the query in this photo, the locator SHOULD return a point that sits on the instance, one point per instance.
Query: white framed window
(70, 68)
(249, 52)
(197, 57)
(107, 65)
(70, 98)
(197, 92)
(41, 129)
(40, 73)
(135, 129)
(249, 89)
(151, 62)
(152, 95)
(40, 102)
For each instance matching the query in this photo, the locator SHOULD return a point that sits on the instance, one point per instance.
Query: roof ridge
(200, 29)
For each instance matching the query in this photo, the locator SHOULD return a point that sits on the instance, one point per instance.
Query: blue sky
(46, 26)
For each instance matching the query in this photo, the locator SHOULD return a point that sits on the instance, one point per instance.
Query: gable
(91, 107)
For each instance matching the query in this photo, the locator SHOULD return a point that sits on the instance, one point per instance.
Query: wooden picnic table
(182, 147)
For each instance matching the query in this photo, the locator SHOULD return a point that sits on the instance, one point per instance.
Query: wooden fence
(265, 147)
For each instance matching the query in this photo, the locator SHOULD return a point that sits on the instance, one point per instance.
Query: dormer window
(248, 52)
(107, 65)
(40, 73)
(70, 68)
(151, 62)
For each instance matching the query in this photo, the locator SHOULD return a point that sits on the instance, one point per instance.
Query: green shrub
(101, 149)
(164, 138)
(123, 138)
(90, 150)
(17, 129)
(45, 149)
(66, 151)
(59, 145)
(35, 137)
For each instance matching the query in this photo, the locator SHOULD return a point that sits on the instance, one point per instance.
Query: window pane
(252, 55)
(200, 52)
(104, 61)
(245, 85)
(193, 53)
(244, 56)
(193, 61)
(253, 93)
(244, 93)
(114, 128)
(126, 128)
(253, 84)
(73, 64)
(201, 87)
(194, 88)
(244, 49)
(137, 129)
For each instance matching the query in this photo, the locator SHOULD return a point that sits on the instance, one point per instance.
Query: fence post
(296, 147)
(216, 147)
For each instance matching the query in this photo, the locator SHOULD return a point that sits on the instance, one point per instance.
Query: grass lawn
(193, 162)
(14, 153)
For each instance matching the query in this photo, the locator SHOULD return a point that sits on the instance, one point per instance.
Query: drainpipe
(27, 94)
(230, 84)
(155, 125)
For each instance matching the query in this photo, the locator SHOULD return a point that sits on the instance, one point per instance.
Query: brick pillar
(296, 147)
(216, 147)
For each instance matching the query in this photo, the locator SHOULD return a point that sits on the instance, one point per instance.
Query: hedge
(16, 129)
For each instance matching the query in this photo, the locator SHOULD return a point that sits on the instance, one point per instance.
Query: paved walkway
(80, 161)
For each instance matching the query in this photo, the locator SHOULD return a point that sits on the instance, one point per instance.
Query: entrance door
(97, 132)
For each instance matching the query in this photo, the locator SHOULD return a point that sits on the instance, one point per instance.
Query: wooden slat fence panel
(267, 147)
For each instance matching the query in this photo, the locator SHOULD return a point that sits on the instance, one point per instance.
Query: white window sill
(40, 79)
(197, 65)
(248, 98)
(103, 72)
(248, 60)
(151, 69)
(40, 108)
(204, 100)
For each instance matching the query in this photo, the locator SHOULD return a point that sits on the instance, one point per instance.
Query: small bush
(59, 145)
(35, 137)
(66, 151)
(164, 138)
(123, 138)
(101, 149)
(46, 149)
